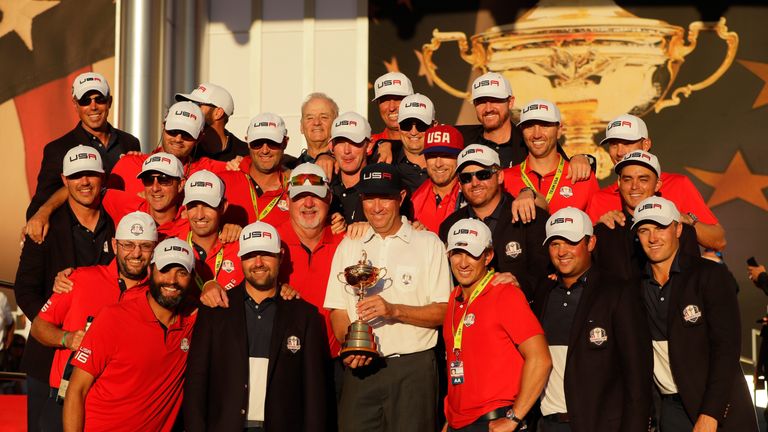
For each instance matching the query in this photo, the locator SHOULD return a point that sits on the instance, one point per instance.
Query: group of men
(201, 287)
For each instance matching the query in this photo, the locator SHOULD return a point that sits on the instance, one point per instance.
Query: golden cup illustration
(594, 62)
(360, 339)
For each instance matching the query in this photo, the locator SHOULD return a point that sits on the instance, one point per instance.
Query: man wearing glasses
(517, 247)
(62, 322)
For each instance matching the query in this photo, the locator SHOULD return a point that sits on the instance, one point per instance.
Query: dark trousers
(392, 394)
(547, 424)
(673, 417)
(51, 420)
(37, 395)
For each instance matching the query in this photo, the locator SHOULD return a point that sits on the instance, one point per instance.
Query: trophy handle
(730, 38)
(473, 58)
(382, 273)
(341, 278)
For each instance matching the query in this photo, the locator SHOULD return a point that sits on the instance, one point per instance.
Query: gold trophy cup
(361, 276)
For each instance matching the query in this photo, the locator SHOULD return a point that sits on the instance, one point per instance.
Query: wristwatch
(526, 189)
(694, 219)
(511, 416)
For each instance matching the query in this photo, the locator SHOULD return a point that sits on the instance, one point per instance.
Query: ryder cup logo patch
(469, 319)
(228, 266)
(691, 313)
(513, 249)
(282, 205)
(293, 344)
(137, 229)
(597, 336)
(566, 192)
(407, 279)
(184, 345)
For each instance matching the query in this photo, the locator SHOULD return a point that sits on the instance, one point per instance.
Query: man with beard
(129, 369)
(80, 236)
(258, 364)
(61, 323)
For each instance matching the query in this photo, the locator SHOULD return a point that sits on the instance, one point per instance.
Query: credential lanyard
(216, 266)
(268, 208)
(458, 333)
(555, 181)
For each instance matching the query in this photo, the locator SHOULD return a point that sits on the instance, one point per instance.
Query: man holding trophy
(390, 381)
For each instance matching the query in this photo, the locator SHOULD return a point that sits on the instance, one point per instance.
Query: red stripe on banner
(45, 113)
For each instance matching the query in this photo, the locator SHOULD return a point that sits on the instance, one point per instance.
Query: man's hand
(579, 168)
(385, 152)
(214, 295)
(73, 340)
(524, 207)
(37, 226)
(705, 423)
(502, 425)
(357, 229)
(356, 361)
(504, 278)
(338, 224)
(613, 217)
(230, 233)
(374, 307)
(418, 226)
(754, 272)
(61, 283)
(328, 164)
(288, 293)
(234, 164)
(132, 153)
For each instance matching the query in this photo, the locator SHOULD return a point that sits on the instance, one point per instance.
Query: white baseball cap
(392, 83)
(300, 181)
(88, 81)
(491, 84)
(351, 125)
(639, 157)
(174, 251)
(416, 106)
(136, 226)
(185, 116)
(655, 209)
(569, 223)
(204, 186)
(540, 109)
(210, 94)
(81, 158)
(266, 126)
(478, 154)
(471, 235)
(164, 163)
(625, 127)
(259, 236)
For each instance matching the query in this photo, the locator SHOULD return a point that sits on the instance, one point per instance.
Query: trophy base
(368, 352)
(359, 341)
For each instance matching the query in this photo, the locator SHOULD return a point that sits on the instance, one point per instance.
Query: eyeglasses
(407, 125)
(130, 247)
(99, 99)
(313, 179)
(258, 144)
(162, 180)
(482, 175)
(184, 134)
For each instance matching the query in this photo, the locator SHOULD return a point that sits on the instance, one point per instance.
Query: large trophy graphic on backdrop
(595, 62)
(360, 338)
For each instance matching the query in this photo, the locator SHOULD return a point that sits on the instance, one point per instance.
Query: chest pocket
(405, 279)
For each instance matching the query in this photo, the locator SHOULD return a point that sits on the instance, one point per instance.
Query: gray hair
(319, 95)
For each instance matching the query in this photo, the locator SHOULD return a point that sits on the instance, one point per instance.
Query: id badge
(457, 372)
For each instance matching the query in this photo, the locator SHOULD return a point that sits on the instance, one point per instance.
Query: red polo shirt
(308, 271)
(230, 272)
(94, 288)
(118, 204)
(567, 194)
(139, 368)
(241, 207)
(426, 209)
(123, 175)
(492, 364)
(674, 187)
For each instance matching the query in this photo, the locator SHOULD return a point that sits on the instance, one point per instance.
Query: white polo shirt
(417, 275)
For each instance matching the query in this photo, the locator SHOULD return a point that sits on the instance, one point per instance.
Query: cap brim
(153, 169)
(657, 219)
(441, 149)
(211, 201)
(181, 97)
(377, 190)
(246, 251)
(164, 262)
(403, 94)
(624, 138)
(354, 137)
(472, 249)
(70, 172)
(621, 164)
(570, 236)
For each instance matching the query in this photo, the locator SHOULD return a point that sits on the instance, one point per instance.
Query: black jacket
(216, 387)
(518, 248)
(607, 384)
(704, 354)
(49, 177)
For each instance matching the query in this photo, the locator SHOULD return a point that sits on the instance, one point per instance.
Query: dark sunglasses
(407, 125)
(482, 175)
(86, 100)
(162, 180)
(258, 144)
(313, 179)
(184, 134)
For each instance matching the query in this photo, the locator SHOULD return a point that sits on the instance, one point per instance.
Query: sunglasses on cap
(407, 124)
(184, 134)
(86, 100)
(313, 179)
(162, 179)
(258, 144)
(482, 175)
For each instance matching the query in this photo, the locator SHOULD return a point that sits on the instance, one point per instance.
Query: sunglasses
(162, 180)
(130, 247)
(258, 144)
(313, 179)
(408, 124)
(482, 175)
(184, 134)
(99, 99)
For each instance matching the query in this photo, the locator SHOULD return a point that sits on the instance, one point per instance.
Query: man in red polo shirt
(544, 170)
(204, 209)
(129, 369)
(498, 358)
(628, 133)
(162, 175)
(257, 192)
(63, 319)
(440, 195)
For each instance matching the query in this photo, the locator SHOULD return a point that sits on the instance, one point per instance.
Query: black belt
(558, 418)
(674, 397)
(495, 414)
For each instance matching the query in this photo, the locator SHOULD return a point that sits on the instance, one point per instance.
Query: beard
(125, 271)
(166, 302)
(264, 283)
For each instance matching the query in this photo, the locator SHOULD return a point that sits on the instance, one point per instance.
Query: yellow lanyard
(555, 181)
(268, 208)
(216, 266)
(457, 333)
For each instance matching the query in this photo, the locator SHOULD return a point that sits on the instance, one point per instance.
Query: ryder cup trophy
(361, 276)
